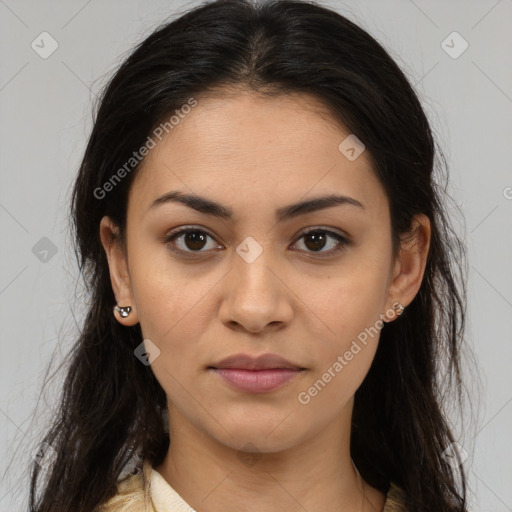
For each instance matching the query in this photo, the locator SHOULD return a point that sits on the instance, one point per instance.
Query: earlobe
(125, 310)
(411, 262)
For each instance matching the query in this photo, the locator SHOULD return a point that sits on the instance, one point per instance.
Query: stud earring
(397, 306)
(123, 311)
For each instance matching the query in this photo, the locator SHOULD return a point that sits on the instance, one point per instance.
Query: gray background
(45, 120)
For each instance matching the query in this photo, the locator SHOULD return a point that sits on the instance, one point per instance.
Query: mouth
(256, 374)
(262, 362)
(256, 381)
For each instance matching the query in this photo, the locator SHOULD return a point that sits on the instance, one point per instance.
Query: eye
(193, 240)
(317, 239)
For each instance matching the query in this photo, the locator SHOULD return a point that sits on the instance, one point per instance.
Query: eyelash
(343, 241)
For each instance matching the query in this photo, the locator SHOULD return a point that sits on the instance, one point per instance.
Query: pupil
(316, 238)
(194, 237)
(195, 240)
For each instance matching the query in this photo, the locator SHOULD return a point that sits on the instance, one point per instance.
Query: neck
(317, 474)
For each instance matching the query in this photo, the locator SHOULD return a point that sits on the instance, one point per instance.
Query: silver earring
(397, 306)
(123, 311)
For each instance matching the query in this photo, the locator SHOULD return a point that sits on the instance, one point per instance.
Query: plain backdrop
(46, 108)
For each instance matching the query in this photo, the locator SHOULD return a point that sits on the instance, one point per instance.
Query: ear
(410, 263)
(118, 267)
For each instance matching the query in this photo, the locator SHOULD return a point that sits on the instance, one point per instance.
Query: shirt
(148, 491)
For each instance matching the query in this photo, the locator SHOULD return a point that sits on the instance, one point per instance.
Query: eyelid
(183, 230)
(324, 229)
(343, 239)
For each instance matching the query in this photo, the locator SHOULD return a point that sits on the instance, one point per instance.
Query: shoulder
(395, 499)
(130, 495)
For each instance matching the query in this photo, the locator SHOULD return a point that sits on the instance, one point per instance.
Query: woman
(274, 280)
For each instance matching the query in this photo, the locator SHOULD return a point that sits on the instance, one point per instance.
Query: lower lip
(256, 381)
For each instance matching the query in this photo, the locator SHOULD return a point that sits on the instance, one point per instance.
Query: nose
(256, 297)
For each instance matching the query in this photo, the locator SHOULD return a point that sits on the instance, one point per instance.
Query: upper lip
(262, 362)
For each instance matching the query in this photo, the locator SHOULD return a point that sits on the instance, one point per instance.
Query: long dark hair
(111, 405)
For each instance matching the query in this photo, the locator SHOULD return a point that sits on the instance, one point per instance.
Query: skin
(232, 450)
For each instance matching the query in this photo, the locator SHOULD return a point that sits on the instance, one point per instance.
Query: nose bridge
(252, 264)
(255, 296)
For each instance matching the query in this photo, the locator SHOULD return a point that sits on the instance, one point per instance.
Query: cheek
(343, 354)
(328, 391)
(349, 306)
(167, 298)
(171, 314)
(349, 301)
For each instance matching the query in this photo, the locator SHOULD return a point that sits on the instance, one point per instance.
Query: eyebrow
(209, 207)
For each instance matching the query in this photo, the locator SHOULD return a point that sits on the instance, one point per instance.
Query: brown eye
(192, 240)
(316, 240)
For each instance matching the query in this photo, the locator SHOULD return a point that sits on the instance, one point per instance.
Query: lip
(256, 374)
(262, 362)
(257, 381)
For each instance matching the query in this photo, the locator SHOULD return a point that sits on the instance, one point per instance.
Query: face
(254, 281)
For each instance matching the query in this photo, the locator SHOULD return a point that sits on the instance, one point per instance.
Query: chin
(262, 437)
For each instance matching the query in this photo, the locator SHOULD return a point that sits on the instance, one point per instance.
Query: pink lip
(262, 362)
(257, 381)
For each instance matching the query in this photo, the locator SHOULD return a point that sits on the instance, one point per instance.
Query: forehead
(257, 148)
